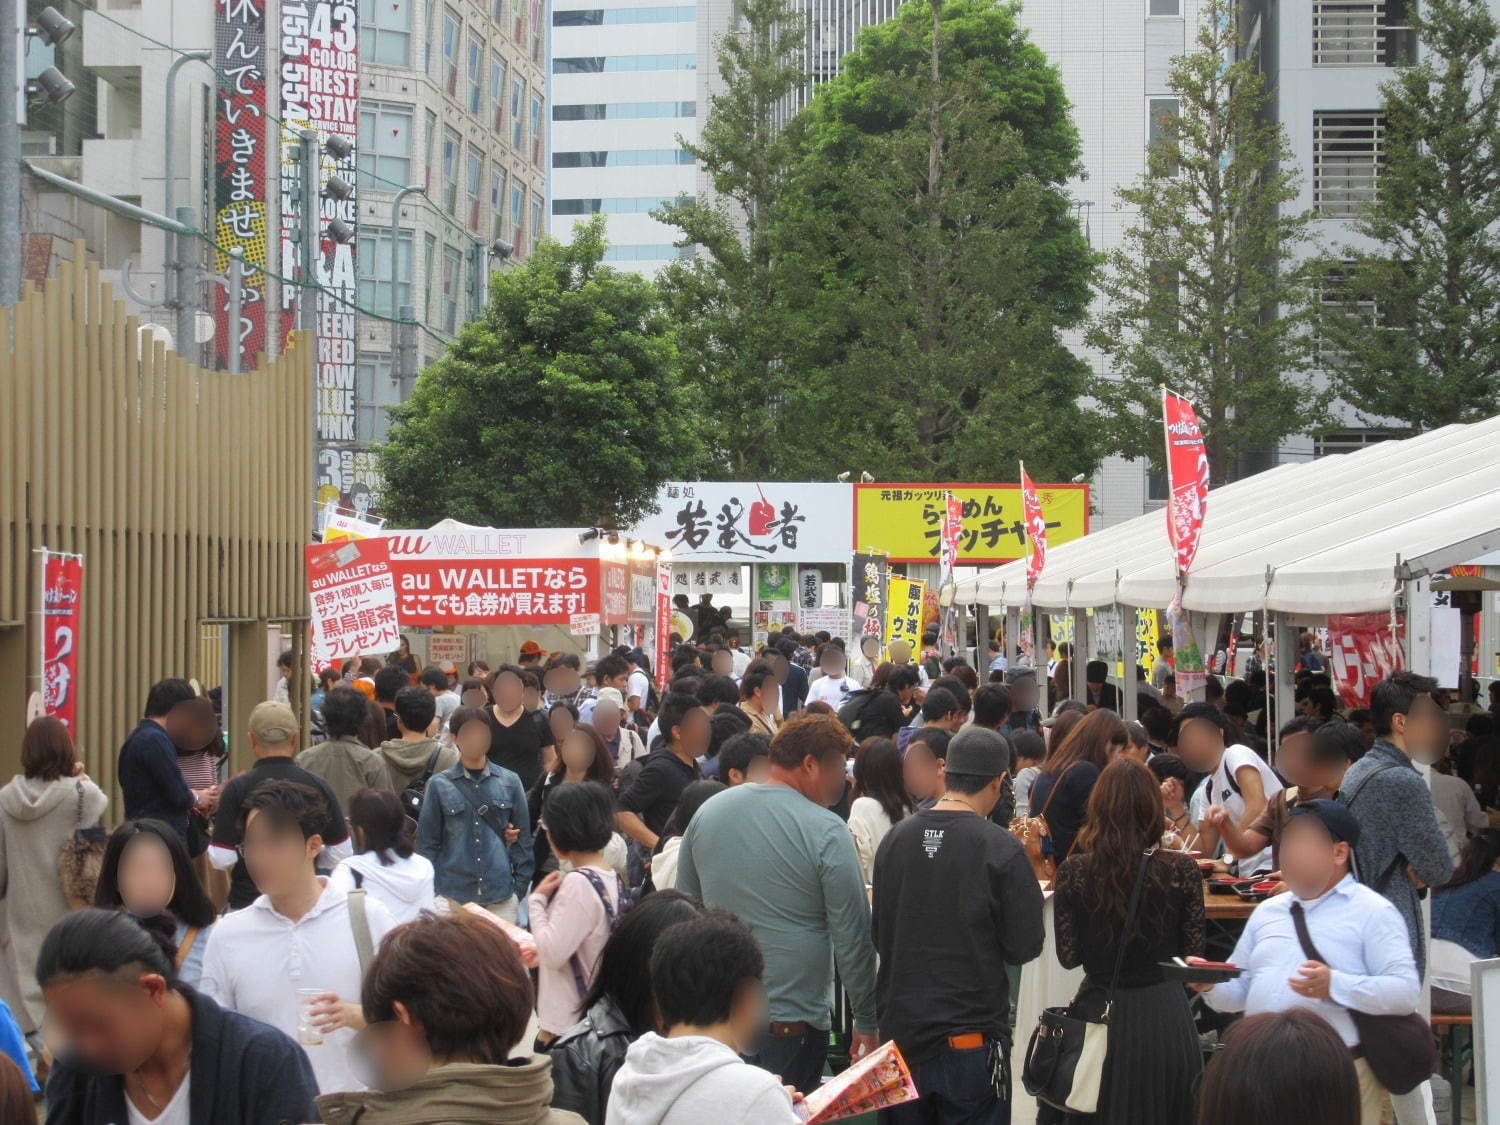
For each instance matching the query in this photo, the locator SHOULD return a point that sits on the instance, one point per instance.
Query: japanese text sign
(748, 521)
(1036, 529)
(867, 597)
(696, 579)
(1187, 478)
(906, 520)
(62, 619)
(904, 613)
(663, 635)
(352, 595)
(1362, 651)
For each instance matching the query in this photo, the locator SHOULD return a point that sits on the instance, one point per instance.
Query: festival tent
(1336, 535)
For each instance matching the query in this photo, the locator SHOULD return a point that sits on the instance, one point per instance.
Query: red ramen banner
(62, 617)
(1363, 649)
(1187, 478)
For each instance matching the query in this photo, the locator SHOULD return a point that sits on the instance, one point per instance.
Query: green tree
(560, 405)
(1416, 335)
(1205, 295)
(931, 256)
(726, 301)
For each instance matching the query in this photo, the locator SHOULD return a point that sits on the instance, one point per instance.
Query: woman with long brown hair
(1154, 1057)
(1060, 794)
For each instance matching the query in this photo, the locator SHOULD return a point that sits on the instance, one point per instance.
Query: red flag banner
(953, 526)
(1187, 478)
(62, 615)
(1362, 650)
(1036, 529)
(663, 624)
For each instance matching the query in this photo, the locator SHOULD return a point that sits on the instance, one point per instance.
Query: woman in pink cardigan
(573, 913)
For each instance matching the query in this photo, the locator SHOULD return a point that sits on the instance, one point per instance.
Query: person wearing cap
(530, 655)
(1369, 965)
(273, 740)
(954, 902)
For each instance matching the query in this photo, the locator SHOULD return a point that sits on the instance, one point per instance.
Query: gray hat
(978, 751)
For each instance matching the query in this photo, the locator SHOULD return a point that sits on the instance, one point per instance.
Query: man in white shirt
(1240, 782)
(741, 657)
(833, 686)
(1369, 966)
(299, 935)
(436, 681)
(1458, 811)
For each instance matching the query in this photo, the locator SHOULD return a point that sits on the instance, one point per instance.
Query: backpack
(612, 914)
(854, 707)
(411, 796)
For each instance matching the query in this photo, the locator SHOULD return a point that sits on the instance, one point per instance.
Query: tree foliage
(930, 255)
(560, 405)
(1204, 294)
(1417, 332)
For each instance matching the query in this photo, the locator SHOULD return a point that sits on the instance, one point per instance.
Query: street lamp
(409, 189)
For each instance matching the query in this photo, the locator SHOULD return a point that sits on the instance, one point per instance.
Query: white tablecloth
(1044, 984)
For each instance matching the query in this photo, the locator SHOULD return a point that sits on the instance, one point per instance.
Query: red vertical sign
(1187, 478)
(1036, 529)
(663, 623)
(62, 617)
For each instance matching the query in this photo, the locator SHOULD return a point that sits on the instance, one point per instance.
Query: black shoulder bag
(1064, 1064)
(1400, 1049)
(411, 796)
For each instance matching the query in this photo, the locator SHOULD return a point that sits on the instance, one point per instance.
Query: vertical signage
(320, 91)
(352, 594)
(663, 624)
(240, 183)
(62, 615)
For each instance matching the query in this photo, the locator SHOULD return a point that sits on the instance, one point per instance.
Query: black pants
(957, 1086)
(797, 1058)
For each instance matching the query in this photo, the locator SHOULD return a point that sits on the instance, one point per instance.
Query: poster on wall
(773, 586)
(906, 520)
(62, 621)
(750, 521)
(241, 162)
(351, 594)
(319, 83)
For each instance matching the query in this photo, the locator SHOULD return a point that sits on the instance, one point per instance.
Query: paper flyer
(880, 1079)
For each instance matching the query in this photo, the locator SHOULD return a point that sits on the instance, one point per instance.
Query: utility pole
(177, 255)
(10, 153)
(307, 300)
(406, 350)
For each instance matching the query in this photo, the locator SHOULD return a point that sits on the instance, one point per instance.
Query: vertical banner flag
(352, 594)
(867, 598)
(62, 615)
(1363, 649)
(320, 91)
(663, 624)
(1187, 491)
(1036, 558)
(904, 613)
(952, 529)
(241, 163)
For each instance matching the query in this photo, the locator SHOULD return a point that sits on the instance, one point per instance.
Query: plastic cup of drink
(307, 1032)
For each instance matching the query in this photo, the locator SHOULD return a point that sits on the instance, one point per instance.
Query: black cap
(1340, 823)
(978, 751)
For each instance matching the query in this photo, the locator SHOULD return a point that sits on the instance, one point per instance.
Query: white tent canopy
(1335, 535)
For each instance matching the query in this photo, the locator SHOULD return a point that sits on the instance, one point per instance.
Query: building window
(1163, 310)
(622, 158)
(1165, 7)
(536, 219)
(536, 129)
(372, 263)
(622, 64)
(1348, 150)
(1362, 33)
(1335, 299)
(518, 13)
(1156, 486)
(451, 29)
(620, 205)
(1348, 441)
(517, 202)
(429, 264)
(376, 390)
(1158, 112)
(450, 170)
(497, 200)
(453, 267)
(537, 30)
(517, 122)
(497, 91)
(476, 74)
(385, 32)
(385, 142)
(474, 186)
(429, 119)
(594, 17)
(657, 252)
(623, 111)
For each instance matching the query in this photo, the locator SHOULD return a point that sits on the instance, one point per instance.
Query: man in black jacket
(150, 777)
(881, 712)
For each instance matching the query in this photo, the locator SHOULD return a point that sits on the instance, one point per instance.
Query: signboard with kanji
(352, 595)
(750, 521)
(904, 613)
(906, 520)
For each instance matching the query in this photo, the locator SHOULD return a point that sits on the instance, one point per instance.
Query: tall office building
(624, 89)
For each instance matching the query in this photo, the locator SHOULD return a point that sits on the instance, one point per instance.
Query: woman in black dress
(1154, 1057)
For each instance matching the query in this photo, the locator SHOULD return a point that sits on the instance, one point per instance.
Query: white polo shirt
(257, 959)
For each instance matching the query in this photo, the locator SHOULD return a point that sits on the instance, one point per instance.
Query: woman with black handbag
(1123, 906)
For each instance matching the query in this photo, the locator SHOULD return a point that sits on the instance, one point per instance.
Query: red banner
(1036, 528)
(474, 592)
(1362, 651)
(663, 624)
(1187, 478)
(353, 599)
(62, 617)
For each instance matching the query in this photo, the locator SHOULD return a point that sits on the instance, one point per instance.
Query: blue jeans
(957, 1087)
(797, 1058)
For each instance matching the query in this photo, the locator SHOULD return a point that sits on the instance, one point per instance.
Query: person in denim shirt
(474, 824)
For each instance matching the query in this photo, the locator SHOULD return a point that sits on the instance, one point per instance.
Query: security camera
(51, 86)
(866, 478)
(340, 231)
(1079, 479)
(51, 26)
(338, 188)
(842, 478)
(340, 148)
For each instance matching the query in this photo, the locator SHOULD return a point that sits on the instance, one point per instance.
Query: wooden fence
(188, 493)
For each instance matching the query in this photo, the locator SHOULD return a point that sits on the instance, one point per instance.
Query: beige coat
(36, 819)
(519, 1094)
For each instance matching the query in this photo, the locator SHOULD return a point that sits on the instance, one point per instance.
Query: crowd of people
(551, 891)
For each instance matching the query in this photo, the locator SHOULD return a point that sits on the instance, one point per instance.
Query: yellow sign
(905, 520)
(903, 613)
